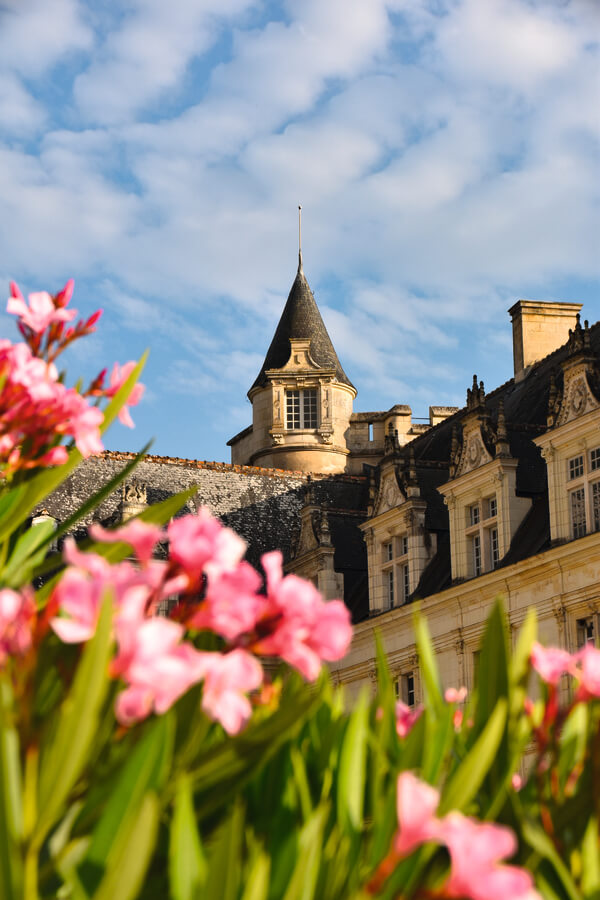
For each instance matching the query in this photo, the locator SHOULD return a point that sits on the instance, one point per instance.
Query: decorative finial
(300, 239)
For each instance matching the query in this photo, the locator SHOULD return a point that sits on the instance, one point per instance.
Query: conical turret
(302, 398)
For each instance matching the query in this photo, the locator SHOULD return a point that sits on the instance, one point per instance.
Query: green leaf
(303, 883)
(573, 741)
(221, 770)
(145, 770)
(224, 865)
(492, 686)
(352, 767)
(127, 867)
(257, 880)
(11, 812)
(187, 865)
(539, 841)
(29, 550)
(590, 858)
(431, 678)
(64, 759)
(467, 779)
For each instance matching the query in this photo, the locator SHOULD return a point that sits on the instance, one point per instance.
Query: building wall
(562, 584)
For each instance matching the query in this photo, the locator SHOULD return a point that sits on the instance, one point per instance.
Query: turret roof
(301, 319)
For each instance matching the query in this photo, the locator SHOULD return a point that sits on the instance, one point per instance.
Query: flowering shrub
(184, 757)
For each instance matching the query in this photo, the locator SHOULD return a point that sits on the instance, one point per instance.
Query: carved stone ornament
(577, 397)
(390, 495)
(474, 453)
(326, 437)
(277, 438)
(135, 493)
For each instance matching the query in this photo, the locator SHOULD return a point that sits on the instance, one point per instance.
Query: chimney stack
(539, 328)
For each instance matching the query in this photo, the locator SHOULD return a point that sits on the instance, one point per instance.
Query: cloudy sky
(445, 152)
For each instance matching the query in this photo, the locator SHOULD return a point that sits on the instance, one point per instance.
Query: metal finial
(299, 238)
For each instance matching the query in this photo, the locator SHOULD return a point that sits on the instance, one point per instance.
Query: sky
(445, 153)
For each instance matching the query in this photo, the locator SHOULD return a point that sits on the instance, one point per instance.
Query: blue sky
(445, 152)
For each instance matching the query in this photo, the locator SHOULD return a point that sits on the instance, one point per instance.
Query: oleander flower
(304, 629)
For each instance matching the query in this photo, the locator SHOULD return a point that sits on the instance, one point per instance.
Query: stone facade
(501, 497)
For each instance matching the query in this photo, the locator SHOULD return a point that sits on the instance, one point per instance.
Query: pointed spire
(300, 269)
(301, 319)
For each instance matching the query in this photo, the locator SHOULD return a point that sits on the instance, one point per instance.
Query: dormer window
(482, 535)
(301, 409)
(584, 495)
(395, 572)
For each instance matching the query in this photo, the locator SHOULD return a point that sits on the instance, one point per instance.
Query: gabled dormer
(571, 445)
(481, 494)
(398, 544)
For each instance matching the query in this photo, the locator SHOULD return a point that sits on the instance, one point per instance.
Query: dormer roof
(301, 319)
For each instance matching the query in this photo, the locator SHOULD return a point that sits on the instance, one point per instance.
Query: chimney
(539, 328)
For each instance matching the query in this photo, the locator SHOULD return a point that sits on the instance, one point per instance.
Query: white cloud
(147, 55)
(36, 34)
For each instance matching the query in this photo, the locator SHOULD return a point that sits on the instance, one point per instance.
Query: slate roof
(301, 319)
(525, 408)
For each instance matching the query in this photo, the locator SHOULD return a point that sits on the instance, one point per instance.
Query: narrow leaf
(65, 758)
(352, 767)
(187, 865)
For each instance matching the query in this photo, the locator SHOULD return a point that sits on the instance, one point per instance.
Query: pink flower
(305, 629)
(157, 667)
(227, 679)
(416, 803)
(200, 544)
(454, 695)
(232, 604)
(83, 423)
(476, 849)
(79, 597)
(17, 612)
(406, 718)
(118, 377)
(586, 669)
(142, 537)
(550, 663)
(41, 311)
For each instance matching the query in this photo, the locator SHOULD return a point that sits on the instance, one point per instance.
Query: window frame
(481, 526)
(305, 411)
(583, 492)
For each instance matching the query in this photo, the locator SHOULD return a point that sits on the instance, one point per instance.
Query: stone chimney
(539, 328)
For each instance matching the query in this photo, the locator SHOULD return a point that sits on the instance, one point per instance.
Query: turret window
(301, 409)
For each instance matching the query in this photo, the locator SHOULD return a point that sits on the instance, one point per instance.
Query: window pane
(390, 588)
(595, 459)
(576, 467)
(388, 552)
(292, 409)
(474, 514)
(596, 505)
(586, 631)
(310, 408)
(494, 548)
(476, 554)
(578, 512)
(405, 583)
(492, 507)
(403, 546)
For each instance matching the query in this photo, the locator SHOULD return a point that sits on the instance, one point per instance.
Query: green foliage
(302, 804)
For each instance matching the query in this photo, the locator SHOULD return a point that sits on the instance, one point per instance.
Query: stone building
(499, 497)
